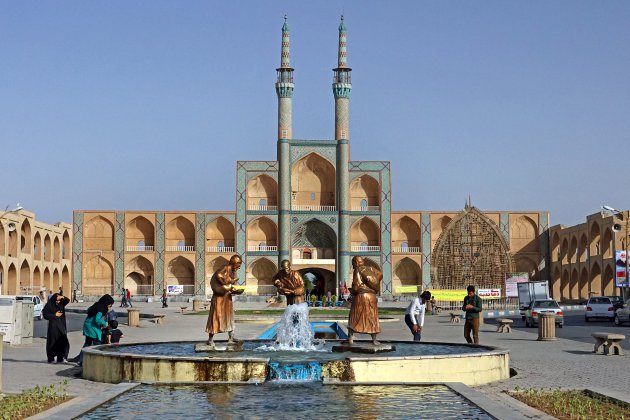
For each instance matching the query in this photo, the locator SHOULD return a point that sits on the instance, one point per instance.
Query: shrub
(33, 401)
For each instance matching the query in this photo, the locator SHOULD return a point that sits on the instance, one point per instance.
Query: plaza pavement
(563, 363)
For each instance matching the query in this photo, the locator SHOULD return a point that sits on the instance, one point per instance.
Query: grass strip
(572, 404)
(32, 401)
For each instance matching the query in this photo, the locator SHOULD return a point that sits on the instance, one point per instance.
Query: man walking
(472, 306)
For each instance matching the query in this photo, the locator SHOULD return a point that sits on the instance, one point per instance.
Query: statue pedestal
(222, 347)
(364, 348)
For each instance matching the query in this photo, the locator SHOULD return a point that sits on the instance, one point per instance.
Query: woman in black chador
(57, 345)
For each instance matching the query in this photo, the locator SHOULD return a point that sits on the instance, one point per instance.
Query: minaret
(341, 89)
(284, 90)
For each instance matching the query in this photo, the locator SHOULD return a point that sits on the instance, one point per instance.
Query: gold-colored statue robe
(363, 316)
(221, 315)
(291, 285)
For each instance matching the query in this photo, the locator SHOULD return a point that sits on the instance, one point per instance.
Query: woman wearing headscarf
(95, 322)
(57, 344)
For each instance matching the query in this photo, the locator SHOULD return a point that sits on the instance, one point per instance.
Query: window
(262, 246)
(364, 247)
(312, 196)
(141, 245)
(404, 246)
(63, 251)
(262, 202)
(220, 244)
(181, 245)
(364, 204)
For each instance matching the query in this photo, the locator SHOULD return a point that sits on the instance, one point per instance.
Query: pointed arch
(583, 249)
(66, 248)
(48, 285)
(369, 262)
(65, 280)
(37, 280)
(2, 239)
(364, 233)
(56, 250)
(181, 271)
(25, 277)
(56, 281)
(406, 234)
(140, 232)
(98, 235)
(564, 285)
(220, 234)
(216, 264)
(573, 250)
(37, 246)
(607, 243)
(594, 241)
(573, 285)
(564, 252)
(608, 281)
(316, 238)
(180, 234)
(313, 181)
(139, 276)
(25, 234)
(523, 234)
(583, 287)
(471, 250)
(555, 284)
(364, 193)
(12, 280)
(262, 193)
(555, 247)
(262, 234)
(98, 277)
(260, 274)
(595, 284)
(526, 265)
(407, 273)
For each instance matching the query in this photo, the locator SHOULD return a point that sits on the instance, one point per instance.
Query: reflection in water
(297, 400)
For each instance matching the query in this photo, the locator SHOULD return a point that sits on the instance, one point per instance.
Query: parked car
(38, 305)
(616, 301)
(599, 307)
(544, 306)
(623, 314)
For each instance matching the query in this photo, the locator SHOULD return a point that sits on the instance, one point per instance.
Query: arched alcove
(262, 193)
(406, 235)
(608, 281)
(56, 250)
(312, 183)
(526, 265)
(98, 277)
(139, 276)
(583, 249)
(139, 234)
(564, 251)
(564, 285)
(180, 235)
(181, 271)
(260, 274)
(25, 233)
(56, 280)
(594, 242)
(216, 264)
(583, 292)
(37, 280)
(364, 193)
(37, 246)
(98, 235)
(12, 280)
(364, 235)
(314, 239)
(573, 250)
(574, 291)
(66, 247)
(262, 235)
(607, 244)
(25, 278)
(596, 280)
(523, 234)
(48, 284)
(555, 284)
(555, 247)
(220, 235)
(65, 280)
(2, 239)
(47, 250)
(407, 273)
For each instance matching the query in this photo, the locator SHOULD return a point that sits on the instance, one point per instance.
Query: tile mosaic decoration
(77, 250)
(159, 253)
(119, 253)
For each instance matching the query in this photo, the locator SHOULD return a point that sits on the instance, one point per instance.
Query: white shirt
(416, 309)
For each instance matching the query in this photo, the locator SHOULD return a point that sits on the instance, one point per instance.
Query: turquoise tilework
(504, 226)
(159, 252)
(119, 251)
(200, 254)
(77, 251)
(543, 230)
(426, 250)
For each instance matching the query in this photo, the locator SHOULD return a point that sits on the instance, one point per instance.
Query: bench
(183, 308)
(609, 343)
(505, 325)
(158, 318)
(454, 317)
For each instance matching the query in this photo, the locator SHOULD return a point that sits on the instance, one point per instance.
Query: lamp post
(616, 228)
(6, 210)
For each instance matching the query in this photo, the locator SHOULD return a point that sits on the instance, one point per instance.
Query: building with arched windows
(318, 208)
(34, 256)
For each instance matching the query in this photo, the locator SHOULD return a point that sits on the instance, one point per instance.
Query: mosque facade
(316, 207)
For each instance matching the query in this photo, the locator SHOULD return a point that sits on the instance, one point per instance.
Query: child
(114, 333)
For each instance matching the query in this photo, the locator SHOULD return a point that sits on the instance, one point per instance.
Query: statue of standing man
(221, 315)
(289, 283)
(363, 316)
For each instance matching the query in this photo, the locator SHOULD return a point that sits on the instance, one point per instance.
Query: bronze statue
(221, 315)
(289, 283)
(363, 316)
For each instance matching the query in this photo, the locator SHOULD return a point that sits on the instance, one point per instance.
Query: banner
(406, 289)
(174, 289)
(511, 288)
(456, 295)
(489, 293)
(620, 268)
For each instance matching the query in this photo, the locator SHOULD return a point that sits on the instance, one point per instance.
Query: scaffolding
(471, 250)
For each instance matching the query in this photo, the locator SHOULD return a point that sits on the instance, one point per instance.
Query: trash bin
(546, 327)
(196, 305)
(133, 317)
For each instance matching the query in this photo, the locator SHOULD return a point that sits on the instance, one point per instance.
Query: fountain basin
(412, 362)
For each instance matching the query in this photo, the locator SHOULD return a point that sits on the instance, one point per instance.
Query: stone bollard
(546, 327)
(481, 319)
(196, 305)
(133, 317)
(1, 346)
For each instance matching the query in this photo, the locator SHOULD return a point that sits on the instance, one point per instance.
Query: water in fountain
(294, 330)
(309, 371)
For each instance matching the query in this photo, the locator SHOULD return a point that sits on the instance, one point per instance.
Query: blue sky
(149, 104)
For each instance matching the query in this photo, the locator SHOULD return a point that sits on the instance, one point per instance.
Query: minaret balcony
(312, 207)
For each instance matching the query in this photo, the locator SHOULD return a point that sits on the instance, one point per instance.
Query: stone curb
(81, 405)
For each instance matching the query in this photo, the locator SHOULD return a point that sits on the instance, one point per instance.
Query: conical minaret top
(342, 61)
(284, 87)
(342, 86)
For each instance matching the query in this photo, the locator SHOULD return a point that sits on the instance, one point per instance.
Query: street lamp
(617, 228)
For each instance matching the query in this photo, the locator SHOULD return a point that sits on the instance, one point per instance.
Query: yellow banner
(406, 289)
(457, 295)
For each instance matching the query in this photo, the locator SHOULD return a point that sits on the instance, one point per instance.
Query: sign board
(406, 289)
(511, 288)
(174, 289)
(489, 293)
(620, 268)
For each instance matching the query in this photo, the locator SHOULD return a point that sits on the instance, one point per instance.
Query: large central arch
(313, 240)
(313, 182)
(471, 250)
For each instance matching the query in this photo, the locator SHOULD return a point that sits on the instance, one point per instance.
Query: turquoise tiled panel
(119, 251)
(200, 254)
(426, 250)
(159, 253)
(543, 230)
(386, 230)
(240, 224)
(504, 226)
(77, 251)
(325, 148)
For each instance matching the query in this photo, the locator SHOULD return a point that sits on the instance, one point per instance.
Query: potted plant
(324, 301)
(333, 300)
(313, 298)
